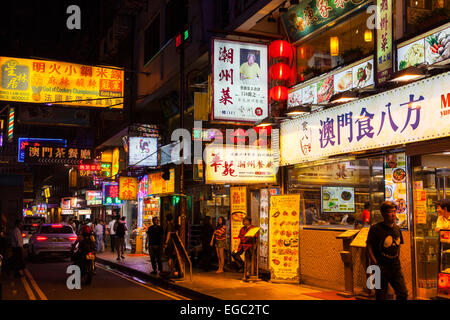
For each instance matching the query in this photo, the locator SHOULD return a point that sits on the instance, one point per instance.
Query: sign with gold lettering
(56, 155)
(61, 83)
(128, 188)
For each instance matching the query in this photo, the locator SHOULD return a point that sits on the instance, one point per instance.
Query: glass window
(336, 194)
(423, 15)
(353, 41)
(57, 230)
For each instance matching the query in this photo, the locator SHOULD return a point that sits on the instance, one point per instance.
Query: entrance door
(431, 182)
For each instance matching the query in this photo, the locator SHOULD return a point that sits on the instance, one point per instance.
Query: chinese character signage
(94, 197)
(35, 142)
(415, 112)
(264, 232)
(143, 151)
(395, 181)
(321, 89)
(238, 210)
(384, 40)
(239, 165)
(56, 155)
(128, 188)
(240, 81)
(432, 47)
(157, 185)
(53, 82)
(111, 193)
(284, 238)
(309, 16)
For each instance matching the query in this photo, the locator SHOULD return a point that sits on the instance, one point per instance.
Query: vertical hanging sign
(384, 40)
(238, 208)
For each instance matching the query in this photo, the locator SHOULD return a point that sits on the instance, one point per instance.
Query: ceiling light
(344, 97)
(409, 74)
(298, 110)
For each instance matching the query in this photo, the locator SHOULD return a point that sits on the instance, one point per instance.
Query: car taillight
(72, 238)
(24, 235)
(41, 238)
(56, 225)
(34, 224)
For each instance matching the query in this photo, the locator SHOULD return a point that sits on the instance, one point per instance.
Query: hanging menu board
(264, 233)
(284, 238)
(238, 208)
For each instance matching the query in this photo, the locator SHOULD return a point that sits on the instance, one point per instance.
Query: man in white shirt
(443, 209)
(98, 231)
(112, 233)
(17, 249)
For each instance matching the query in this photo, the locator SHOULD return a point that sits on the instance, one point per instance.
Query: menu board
(395, 180)
(430, 48)
(284, 237)
(264, 232)
(238, 209)
(338, 199)
(420, 206)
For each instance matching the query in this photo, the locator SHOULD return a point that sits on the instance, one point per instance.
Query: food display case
(444, 264)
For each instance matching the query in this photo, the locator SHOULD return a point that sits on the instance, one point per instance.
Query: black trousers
(248, 259)
(17, 261)
(113, 242)
(394, 277)
(155, 257)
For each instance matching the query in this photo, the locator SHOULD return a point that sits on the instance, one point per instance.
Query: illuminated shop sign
(60, 83)
(37, 142)
(415, 112)
(384, 40)
(111, 193)
(128, 188)
(94, 197)
(143, 151)
(240, 81)
(56, 155)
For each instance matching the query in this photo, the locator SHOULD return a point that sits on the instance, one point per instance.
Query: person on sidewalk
(246, 244)
(169, 247)
(98, 232)
(220, 235)
(120, 229)
(155, 238)
(207, 230)
(112, 233)
(18, 263)
(383, 244)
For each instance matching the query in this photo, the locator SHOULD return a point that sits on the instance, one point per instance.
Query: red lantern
(280, 49)
(280, 71)
(279, 93)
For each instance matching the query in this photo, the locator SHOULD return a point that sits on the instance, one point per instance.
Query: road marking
(30, 293)
(170, 295)
(35, 285)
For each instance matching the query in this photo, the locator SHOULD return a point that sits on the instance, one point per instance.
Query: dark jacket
(155, 235)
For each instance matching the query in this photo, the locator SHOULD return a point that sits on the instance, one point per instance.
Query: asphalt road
(46, 280)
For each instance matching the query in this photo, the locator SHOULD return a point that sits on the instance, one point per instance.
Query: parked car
(53, 238)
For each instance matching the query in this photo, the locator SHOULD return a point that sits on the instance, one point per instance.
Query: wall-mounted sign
(384, 40)
(338, 199)
(36, 142)
(66, 203)
(83, 212)
(143, 185)
(35, 115)
(66, 211)
(309, 16)
(94, 197)
(284, 237)
(60, 83)
(111, 193)
(128, 188)
(157, 185)
(264, 232)
(56, 155)
(395, 181)
(415, 112)
(143, 151)
(240, 81)
(321, 89)
(239, 165)
(432, 47)
(238, 210)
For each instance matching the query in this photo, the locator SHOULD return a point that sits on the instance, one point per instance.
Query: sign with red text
(239, 165)
(56, 155)
(240, 81)
(60, 83)
(238, 210)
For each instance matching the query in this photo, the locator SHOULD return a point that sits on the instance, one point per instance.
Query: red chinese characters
(323, 7)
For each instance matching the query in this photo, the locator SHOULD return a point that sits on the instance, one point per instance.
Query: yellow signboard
(157, 185)
(284, 238)
(238, 208)
(54, 82)
(128, 188)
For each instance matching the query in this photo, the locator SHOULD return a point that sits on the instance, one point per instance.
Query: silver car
(53, 238)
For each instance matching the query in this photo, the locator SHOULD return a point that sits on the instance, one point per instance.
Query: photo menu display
(338, 199)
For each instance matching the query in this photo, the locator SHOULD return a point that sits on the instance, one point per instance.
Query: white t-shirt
(98, 229)
(442, 223)
(16, 239)
(111, 227)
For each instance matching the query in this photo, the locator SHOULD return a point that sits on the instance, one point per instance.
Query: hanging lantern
(279, 93)
(280, 49)
(368, 35)
(280, 71)
(334, 46)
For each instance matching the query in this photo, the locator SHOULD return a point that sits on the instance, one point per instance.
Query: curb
(161, 282)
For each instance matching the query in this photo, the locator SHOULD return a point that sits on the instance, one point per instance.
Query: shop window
(152, 40)
(423, 15)
(334, 195)
(344, 43)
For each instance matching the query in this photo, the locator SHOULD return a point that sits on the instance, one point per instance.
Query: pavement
(211, 285)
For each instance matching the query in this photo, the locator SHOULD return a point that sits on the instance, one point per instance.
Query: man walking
(98, 232)
(155, 239)
(18, 263)
(383, 244)
(112, 233)
(120, 228)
